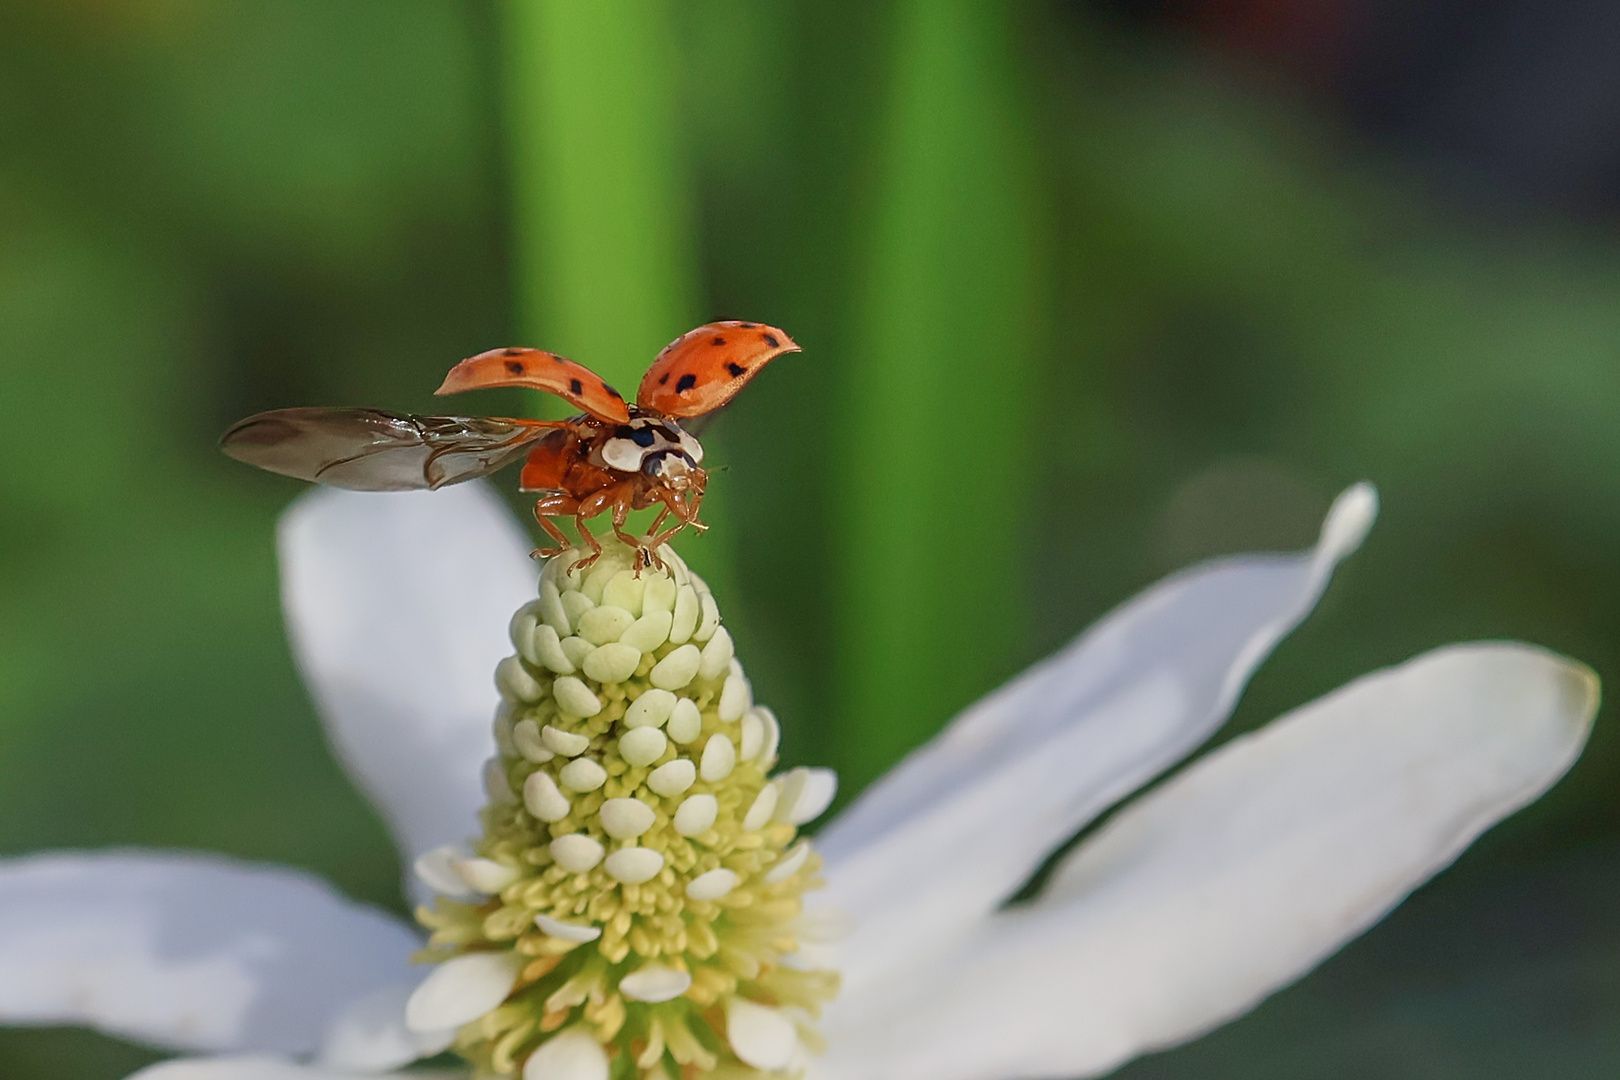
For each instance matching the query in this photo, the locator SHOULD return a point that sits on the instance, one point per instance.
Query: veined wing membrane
(373, 450)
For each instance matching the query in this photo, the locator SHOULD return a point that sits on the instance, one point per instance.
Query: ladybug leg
(684, 515)
(656, 539)
(557, 535)
(645, 556)
(544, 510)
(654, 542)
(590, 538)
(621, 509)
(588, 508)
(694, 499)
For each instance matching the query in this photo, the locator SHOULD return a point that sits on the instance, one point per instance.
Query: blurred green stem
(607, 270)
(940, 389)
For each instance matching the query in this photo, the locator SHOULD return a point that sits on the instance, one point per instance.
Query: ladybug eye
(670, 466)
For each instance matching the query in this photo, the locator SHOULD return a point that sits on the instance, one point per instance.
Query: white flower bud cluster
(638, 884)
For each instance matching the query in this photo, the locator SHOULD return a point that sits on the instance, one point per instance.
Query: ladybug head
(674, 469)
(632, 446)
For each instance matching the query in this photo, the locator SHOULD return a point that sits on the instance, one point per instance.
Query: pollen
(635, 901)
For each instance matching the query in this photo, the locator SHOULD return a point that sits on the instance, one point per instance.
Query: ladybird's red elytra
(704, 368)
(574, 383)
(613, 458)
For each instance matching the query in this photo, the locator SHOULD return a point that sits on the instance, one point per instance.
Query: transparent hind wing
(373, 450)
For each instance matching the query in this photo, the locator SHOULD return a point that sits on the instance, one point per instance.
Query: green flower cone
(640, 876)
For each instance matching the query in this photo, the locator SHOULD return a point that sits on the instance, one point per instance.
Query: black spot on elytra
(514, 351)
(770, 339)
(664, 378)
(718, 340)
(685, 383)
(557, 358)
(612, 393)
(748, 325)
(737, 370)
(515, 366)
(575, 386)
(640, 436)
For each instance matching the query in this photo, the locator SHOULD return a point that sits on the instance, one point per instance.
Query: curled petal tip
(1578, 687)
(1349, 519)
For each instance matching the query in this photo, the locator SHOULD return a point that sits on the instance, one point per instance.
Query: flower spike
(636, 897)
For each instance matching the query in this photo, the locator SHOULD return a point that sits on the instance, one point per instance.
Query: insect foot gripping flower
(635, 899)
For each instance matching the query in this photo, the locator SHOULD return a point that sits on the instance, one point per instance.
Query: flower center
(634, 905)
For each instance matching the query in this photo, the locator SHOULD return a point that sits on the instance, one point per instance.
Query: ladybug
(614, 457)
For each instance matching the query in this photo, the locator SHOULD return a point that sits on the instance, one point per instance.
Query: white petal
(437, 870)
(806, 794)
(824, 925)
(262, 1068)
(370, 1035)
(655, 982)
(973, 812)
(764, 805)
(1235, 877)
(568, 1055)
(719, 758)
(760, 1035)
(461, 990)
(397, 606)
(626, 818)
(696, 814)
(486, 875)
(712, 885)
(794, 858)
(576, 852)
(190, 952)
(568, 931)
(634, 865)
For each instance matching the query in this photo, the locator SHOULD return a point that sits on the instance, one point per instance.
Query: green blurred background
(1086, 290)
